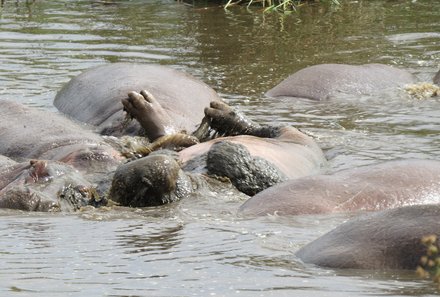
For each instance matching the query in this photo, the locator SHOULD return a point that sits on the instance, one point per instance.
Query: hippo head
(86, 157)
(45, 186)
(150, 181)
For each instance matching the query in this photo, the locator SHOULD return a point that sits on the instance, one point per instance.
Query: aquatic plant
(430, 263)
(423, 90)
(276, 5)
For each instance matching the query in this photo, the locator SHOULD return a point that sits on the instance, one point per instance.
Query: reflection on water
(136, 240)
(199, 247)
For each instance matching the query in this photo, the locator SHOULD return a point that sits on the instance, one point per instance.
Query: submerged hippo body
(31, 133)
(251, 156)
(320, 82)
(390, 239)
(65, 156)
(44, 186)
(94, 96)
(293, 153)
(243, 160)
(388, 185)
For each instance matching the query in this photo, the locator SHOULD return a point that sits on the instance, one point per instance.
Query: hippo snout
(149, 181)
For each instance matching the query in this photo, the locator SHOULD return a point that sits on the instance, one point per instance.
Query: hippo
(368, 188)
(253, 157)
(80, 156)
(388, 239)
(94, 97)
(40, 185)
(320, 82)
(29, 133)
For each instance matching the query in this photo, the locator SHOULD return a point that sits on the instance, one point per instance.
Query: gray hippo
(374, 187)
(44, 186)
(319, 82)
(251, 156)
(94, 97)
(389, 239)
(29, 133)
(69, 156)
(59, 160)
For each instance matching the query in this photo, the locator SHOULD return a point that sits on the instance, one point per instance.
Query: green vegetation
(276, 5)
(430, 263)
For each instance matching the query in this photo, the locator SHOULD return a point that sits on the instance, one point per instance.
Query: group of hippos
(146, 135)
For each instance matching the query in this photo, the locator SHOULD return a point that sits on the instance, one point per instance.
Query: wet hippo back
(94, 96)
(387, 185)
(33, 133)
(322, 81)
(389, 239)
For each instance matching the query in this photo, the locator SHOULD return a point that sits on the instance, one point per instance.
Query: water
(199, 247)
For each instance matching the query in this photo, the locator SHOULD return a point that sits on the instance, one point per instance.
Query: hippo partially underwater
(323, 81)
(39, 185)
(258, 159)
(55, 157)
(388, 239)
(374, 187)
(94, 96)
(253, 157)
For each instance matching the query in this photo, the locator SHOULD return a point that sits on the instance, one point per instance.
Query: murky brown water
(198, 247)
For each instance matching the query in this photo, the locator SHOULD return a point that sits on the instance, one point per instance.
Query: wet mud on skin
(198, 246)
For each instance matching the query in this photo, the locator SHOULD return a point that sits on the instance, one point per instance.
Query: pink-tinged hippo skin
(31, 133)
(293, 153)
(389, 239)
(374, 187)
(320, 82)
(94, 96)
(44, 186)
(251, 156)
(250, 163)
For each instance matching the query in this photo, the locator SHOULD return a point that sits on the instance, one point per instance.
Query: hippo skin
(320, 82)
(32, 133)
(44, 186)
(94, 96)
(374, 187)
(389, 239)
(252, 156)
(56, 157)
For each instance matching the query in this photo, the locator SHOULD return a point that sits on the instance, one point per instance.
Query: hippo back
(94, 96)
(322, 81)
(389, 239)
(368, 188)
(31, 132)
